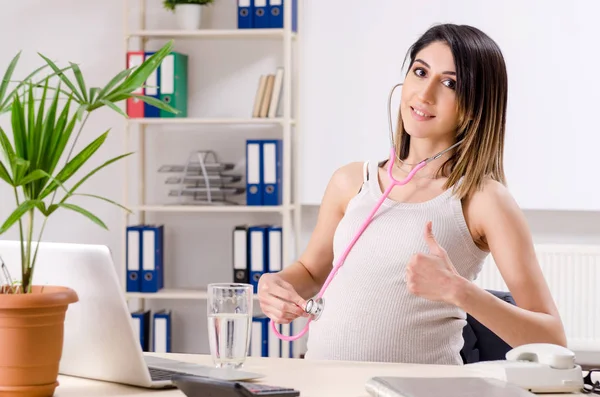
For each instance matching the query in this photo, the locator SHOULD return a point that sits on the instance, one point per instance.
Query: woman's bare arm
(309, 272)
(495, 216)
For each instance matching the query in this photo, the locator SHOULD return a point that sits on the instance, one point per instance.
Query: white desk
(327, 378)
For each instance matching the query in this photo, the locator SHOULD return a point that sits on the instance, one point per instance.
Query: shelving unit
(217, 34)
(172, 294)
(248, 121)
(199, 208)
(289, 210)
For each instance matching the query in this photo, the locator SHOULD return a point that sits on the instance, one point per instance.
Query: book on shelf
(267, 101)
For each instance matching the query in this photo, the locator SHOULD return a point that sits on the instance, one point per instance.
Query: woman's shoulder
(490, 193)
(346, 182)
(349, 177)
(492, 197)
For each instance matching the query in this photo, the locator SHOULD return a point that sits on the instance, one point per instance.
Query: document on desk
(392, 386)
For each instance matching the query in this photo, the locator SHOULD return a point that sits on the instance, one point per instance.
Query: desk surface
(329, 378)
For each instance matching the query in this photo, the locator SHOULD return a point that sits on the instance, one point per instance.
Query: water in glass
(229, 309)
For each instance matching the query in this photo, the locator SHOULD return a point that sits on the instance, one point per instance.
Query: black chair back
(481, 344)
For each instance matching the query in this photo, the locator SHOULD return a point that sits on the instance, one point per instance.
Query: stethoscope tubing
(393, 183)
(342, 258)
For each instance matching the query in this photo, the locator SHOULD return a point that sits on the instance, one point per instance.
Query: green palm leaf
(74, 164)
(64, 78)
(5, 175)
(8, 75)
(156, 102)
(84, 212)
(92, 172)
(103, 199)
(18, 213)
(141, 73)
(80, 80)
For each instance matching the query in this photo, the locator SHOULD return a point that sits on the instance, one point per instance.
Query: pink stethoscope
(314, 306)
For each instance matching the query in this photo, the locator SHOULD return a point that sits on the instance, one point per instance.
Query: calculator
(200, 386)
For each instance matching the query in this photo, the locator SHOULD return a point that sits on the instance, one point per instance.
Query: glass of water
(229, 310)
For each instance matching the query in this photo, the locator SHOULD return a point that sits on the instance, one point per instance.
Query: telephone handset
(539, 368)
(555, 356)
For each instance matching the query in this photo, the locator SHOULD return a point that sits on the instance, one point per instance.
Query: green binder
(174, 83)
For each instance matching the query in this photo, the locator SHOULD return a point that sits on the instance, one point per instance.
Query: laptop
(397, 386)
(99, 339)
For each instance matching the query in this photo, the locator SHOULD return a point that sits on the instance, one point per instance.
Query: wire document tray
(202, 181)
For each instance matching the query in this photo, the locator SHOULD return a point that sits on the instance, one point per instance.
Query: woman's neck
(423, 149)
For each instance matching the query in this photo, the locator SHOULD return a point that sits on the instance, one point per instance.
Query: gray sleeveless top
(369, 313)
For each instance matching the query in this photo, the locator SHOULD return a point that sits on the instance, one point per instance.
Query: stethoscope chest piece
(314, 307)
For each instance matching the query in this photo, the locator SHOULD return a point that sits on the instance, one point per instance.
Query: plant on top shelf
(187, 12)
(170, 4)
(44, 115)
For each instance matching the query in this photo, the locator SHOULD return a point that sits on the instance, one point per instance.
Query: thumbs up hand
(432, 276)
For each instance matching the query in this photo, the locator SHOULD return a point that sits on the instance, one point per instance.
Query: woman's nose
(427, 92)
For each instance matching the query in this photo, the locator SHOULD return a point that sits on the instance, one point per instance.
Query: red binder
(135, 107)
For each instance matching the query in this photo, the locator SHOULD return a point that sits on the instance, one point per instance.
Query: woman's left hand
(432, 276)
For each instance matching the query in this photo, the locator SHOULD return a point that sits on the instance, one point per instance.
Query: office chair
(481, 344)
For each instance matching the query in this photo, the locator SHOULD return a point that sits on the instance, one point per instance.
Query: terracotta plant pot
(31, 340)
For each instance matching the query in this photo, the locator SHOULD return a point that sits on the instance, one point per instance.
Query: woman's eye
(419, 72)
(450, 83)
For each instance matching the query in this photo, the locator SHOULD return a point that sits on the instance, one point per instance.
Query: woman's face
(429, 103)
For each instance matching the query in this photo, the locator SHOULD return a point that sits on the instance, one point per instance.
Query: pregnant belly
(381, 321)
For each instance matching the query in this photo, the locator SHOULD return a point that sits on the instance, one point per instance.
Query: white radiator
(572, 273)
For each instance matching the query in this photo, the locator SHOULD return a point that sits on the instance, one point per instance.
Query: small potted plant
(187, 12)
(47, 117)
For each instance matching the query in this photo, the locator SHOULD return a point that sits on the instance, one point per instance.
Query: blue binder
(294, 15)
(261, 16)
(152, 258)
(257, 253)
(140, 320)
(254, 185)
(161, 331)
(276, 12)
(272, 168)
(245, 14)
(152, 89)
(133, 245)
(259, 337)
(275, 246)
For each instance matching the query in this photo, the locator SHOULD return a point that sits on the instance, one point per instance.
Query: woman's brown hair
(482, 91)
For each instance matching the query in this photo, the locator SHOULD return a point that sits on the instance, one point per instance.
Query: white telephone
(539, 368)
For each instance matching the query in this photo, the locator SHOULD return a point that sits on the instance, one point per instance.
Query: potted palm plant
(47, 116)
(187, 12)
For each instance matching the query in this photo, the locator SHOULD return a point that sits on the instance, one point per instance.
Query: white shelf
(208, 208)
(214, 33)
(174, 120)
(145, 207)
(181, 293)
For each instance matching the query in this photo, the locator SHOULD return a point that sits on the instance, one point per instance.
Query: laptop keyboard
(162, 374)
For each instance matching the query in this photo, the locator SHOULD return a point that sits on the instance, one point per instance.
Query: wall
(199, 250)
(357, 59)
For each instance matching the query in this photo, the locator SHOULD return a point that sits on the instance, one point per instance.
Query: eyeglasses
(589, 385)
